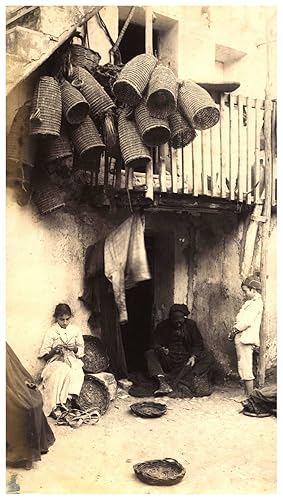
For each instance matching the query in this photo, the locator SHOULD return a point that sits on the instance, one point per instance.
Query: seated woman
(28, 434)
(62, 349)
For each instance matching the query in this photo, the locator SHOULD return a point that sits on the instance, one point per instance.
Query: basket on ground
(46, 108)
(98, 100)
(182, 133)
(134, 152)
(197, 106)
(154, 131)
(164, 472)
(148, 409)
(162, 92)
(95, 358)
(133, 79)
(94, 395)
(75, 107)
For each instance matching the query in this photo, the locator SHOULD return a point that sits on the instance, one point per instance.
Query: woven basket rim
(128, 83)
(137, 408)
(142, 470)
(105, 393)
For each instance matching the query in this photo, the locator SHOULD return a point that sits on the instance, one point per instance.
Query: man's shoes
(163, 389)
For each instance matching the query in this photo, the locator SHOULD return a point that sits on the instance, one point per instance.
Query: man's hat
(180, 308)
(252, 282)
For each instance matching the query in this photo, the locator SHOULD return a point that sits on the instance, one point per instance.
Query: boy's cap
(180, 308)
(252, 282)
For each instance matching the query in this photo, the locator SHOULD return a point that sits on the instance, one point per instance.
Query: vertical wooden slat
(258, 126)
(241, 164)
(106, 169)
(212, 163)
(196, 149)
(188, 169)
(233, 150)
(273, 148)
(148, 30)
(222, 148)
(129, 178)
(173, 167)
(215, 159)
(206, 168)
(248, 151)
(162, 169)
(149, 180)
(183, 168)
(118, 166)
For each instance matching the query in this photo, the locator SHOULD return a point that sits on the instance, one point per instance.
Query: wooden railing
(226, 161)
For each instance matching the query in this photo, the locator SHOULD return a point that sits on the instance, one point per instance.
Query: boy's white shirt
(248, 320)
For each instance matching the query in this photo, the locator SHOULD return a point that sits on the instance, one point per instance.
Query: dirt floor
(222, 450)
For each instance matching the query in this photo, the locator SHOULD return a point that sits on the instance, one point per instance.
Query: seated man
(177, 347)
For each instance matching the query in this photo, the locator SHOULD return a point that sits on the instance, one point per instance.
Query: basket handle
(77, 83)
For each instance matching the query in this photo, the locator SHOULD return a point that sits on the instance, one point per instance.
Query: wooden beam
(148, 30)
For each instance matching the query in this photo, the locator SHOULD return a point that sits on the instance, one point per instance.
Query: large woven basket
(134, 152)
(164, 472)
(48, 198)
(75, 107)
(46, 108)
(197, 106)
(133, 79)
(98, 100)
(182, 133)
(154, 131)
(86, 140)
(94, 395)
(21, 147)
(95, 358)
(83, 56)
(56, 148)
(162, 92)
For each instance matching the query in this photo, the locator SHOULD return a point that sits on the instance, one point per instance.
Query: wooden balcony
(222, 167)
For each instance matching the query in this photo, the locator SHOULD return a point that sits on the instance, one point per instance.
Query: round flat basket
(164, 472)
(95, 358)
(148, 409)
(94, 395)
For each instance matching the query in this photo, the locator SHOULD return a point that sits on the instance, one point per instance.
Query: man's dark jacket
(193, 341)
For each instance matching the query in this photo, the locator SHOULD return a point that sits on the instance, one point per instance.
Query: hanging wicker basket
(162, 92)
(182, 133)
(48, 199)
(86, 140)
(154, 131)
(94, 395)
(75, 107)
(98, 100)
(46, 109)
(83, 56)
(95, 358)
(21, 147)
(133, 79)
(197, 106)
(134, 152)
(19, 174)
(56, 148)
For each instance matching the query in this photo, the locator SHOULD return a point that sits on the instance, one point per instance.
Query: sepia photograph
(141, 249)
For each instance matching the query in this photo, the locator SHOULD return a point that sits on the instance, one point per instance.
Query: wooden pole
(266, 209)
(148, 30)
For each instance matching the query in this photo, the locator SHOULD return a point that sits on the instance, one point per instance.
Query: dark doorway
(133, 41)
(136, 333)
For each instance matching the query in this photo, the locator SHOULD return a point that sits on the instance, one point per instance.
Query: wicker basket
(75, 107)
(148, 409)
(197, 106)
(94, 395)
(83, 56)
(154, 131)
(164, 472)
(134, 152)
(98, 100)
(21, 147)
(86, 140)
(162, 92)
(46, 109)
(182, 133)
(133, 79)
(19, 174)
(56, 148)
(48, 198)
(95, 358)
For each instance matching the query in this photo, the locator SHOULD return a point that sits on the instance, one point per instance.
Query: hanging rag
(125, 260)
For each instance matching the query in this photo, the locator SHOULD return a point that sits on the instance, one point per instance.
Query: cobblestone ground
(222, 450)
